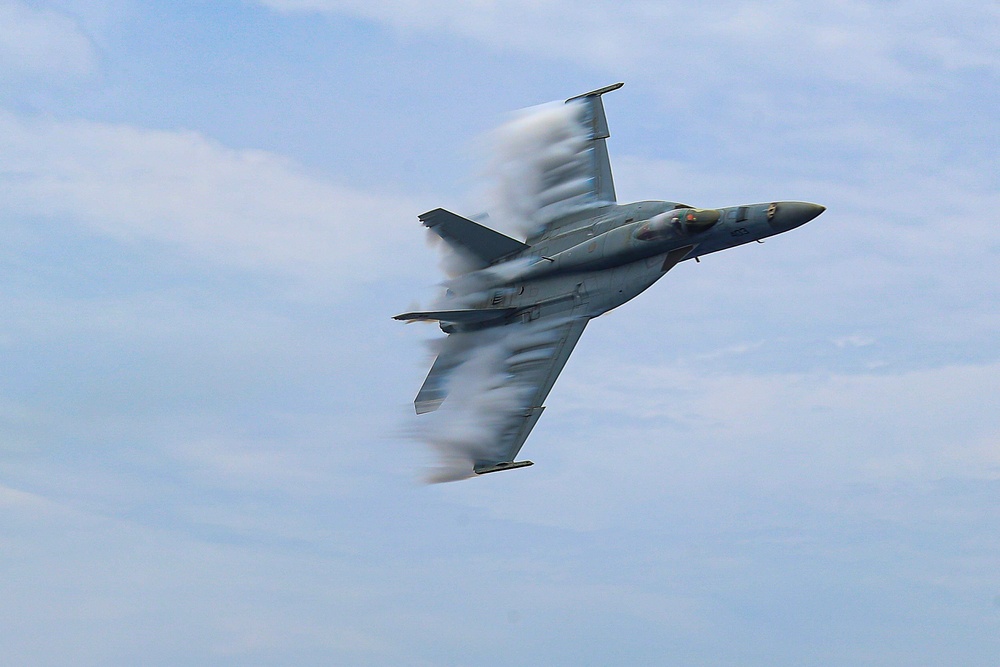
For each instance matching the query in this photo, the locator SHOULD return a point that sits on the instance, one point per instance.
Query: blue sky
(788, 454)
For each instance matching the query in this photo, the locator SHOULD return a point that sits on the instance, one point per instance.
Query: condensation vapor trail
(487, 397)
(539, 170)
(540, 167)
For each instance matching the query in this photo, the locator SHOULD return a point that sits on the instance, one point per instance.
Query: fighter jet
(515, 312)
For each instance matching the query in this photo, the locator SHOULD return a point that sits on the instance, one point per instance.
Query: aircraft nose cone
(790, 214)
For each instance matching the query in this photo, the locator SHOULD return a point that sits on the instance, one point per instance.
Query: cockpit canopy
(694, 219)
(687, 220)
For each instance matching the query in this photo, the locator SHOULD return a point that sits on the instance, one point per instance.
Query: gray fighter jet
(514, 314)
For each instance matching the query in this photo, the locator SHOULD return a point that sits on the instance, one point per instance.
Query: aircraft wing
(539, 375)
(486, 390)
(596, 124)
(553, 160)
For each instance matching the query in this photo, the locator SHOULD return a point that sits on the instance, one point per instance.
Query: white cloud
(671, 437)
(193, 469)
(14, 499)
(42, 41)
(246, 208)
(887, 44)
(853, 341)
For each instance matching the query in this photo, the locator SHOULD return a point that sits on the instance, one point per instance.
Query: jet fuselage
(611, 254)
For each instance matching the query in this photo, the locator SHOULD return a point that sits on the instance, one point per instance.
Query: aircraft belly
(569, 294)
(623, 283)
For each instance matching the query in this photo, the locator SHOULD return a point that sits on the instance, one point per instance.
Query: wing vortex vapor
(541, 167)
(486, 387)
(515, 312)
(491, 379)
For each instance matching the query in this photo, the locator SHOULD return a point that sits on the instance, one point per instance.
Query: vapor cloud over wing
(488, 391)
(540, 168)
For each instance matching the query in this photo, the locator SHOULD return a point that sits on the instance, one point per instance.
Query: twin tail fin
(477, 242)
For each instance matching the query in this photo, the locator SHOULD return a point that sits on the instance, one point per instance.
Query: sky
(786, 454)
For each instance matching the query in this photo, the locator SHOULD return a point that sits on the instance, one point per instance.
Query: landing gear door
(581, 299)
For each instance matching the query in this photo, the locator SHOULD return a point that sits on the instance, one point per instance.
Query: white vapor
(488, 394)
(540, 167)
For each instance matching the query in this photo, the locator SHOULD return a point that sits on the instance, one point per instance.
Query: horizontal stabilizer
(435, 387)
(497, 467)
(468, 316)
(471, 238)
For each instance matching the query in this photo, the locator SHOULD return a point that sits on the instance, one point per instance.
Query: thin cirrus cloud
(853, 42)
(781, 435)
(682, 432)
(42, 42)
(244, 208)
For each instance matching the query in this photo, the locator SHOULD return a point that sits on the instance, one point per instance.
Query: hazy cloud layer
(247, 208)
(786, 454)
(42, 42)
(847, 42)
